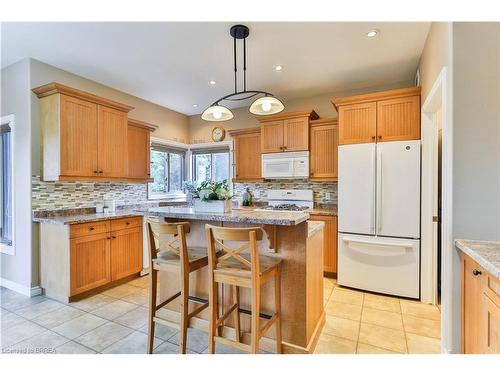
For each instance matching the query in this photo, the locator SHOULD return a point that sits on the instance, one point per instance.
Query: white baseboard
(24, 290)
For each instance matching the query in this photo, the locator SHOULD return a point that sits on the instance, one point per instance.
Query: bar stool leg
(153, 276)
(255, 336)
(184, 307)
(277, 302)
(236, 300)
(212, 307)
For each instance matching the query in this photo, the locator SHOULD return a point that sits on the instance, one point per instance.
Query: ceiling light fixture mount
(265, 105)
(372, 33)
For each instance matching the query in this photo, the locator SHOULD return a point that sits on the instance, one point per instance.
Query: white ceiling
(171, 63)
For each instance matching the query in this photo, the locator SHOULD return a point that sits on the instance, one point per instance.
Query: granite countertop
(323, 211)
(314, 226)
(235, 216)
(485, 253)
(86, 217)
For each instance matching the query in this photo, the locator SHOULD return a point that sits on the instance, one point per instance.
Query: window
(211, 165)
(167, 171)
(6, 187)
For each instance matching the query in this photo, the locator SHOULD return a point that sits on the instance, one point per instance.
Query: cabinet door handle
(476, 272)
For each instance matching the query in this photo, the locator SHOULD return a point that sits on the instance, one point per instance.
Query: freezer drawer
(378, 264)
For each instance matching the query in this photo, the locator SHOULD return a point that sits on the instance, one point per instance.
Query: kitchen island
(290, 237)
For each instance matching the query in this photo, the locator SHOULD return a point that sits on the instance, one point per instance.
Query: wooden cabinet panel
(85, 229)
(357, 123)
(78, 137)
(296, 134)
(329, 242)
(472, 290)
(125, 223)
(113, 142)
(126, 252)
(138, 152)
(398, 119)
(490, 326)
(324, 150)
(247, 157)
(89, 262)
(272, 136)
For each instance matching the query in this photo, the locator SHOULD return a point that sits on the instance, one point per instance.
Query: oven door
(277, 166)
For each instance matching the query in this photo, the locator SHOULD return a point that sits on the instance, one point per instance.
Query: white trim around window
(10, 120)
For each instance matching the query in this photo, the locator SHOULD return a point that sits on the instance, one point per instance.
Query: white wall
(15, 90)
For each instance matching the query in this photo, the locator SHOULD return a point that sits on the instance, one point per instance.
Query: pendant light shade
(217, 113)
(267, 105)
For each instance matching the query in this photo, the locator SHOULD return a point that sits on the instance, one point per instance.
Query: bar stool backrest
(167, 237)
(218, 252)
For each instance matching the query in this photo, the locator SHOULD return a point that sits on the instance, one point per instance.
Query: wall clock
(218, 134)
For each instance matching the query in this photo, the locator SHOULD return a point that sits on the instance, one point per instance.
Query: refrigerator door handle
(379, 190)
(385, 244)
(374, 179)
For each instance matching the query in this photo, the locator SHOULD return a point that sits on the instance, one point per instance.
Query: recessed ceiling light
(212, 82)
(278, 68)
(372, 33)
(195, 105)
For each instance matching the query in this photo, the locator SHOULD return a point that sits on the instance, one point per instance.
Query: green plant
(209, 190)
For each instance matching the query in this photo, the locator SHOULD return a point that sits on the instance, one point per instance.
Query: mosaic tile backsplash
(259, 189)
(56, 195)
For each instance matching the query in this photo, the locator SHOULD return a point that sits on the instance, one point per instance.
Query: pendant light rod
(235, 67)
(245, 64)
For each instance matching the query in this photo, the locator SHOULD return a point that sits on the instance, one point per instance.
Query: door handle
(352, 240)
(374, 197)
(379, 191)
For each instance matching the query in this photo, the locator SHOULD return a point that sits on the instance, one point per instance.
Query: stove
(288, 200)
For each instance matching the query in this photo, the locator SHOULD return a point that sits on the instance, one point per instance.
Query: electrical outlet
(328, 196)
(256, 194)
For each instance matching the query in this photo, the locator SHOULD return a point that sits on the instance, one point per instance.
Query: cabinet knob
(108, 238)
(91, 228)
(373, 137)
(379, 137)
(100, 171)
(113, 237)
(476, 272)
(95, 171)
(127, 223)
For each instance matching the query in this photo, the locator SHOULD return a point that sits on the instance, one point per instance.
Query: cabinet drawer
(85, 229)
(492, 289)
(127, 222)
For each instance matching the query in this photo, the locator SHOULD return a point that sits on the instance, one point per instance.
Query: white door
(356, 188)
(398, 189)
(379, 264)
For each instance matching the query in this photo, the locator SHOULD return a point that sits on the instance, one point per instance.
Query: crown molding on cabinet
(142, 124)
(289, 115)
(372, 97)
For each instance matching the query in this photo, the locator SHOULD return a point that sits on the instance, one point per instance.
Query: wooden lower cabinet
(98, 259)
(125, 259)
(480, 309)
(329, 242)
(89, 262)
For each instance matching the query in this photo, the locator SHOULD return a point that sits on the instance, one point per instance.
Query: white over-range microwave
(285, 165)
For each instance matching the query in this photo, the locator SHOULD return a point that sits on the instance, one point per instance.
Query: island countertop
(235, 216)
(485, 253)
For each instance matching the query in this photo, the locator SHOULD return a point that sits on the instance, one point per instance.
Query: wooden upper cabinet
(139, 149)
(398, 119)
(296, 134)
(286, 131)
(84, 136)
(357, 123)
(113, 142)
(247, 155)
(272, 136)
(324, 150)
(379, 117)
(78, 137)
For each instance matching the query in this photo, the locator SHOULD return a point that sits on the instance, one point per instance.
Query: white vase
(212, 206)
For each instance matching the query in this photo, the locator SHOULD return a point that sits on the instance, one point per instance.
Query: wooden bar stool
(231, 266)
(168, 251)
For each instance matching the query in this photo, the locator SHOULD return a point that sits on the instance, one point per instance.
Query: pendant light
(263, 106)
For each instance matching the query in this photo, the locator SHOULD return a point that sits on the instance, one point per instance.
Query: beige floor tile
(422, 345)
(341, 327)
(72, 347)
(382, 318)
(45, 342)
(139, 297)
(343, 310)
(33, 311)
(382, 337)
(79, 326)
(328, 344)
(329, 282)
(326, 296)
(92, 303)
(58, 317)
(134, 319)
(370, 349)
(419, 309)
(347, 296)
(140, 282)
(135, 343)
(121, 291)
(103, 336)
(375, 301)
(422, 327)
(114, 309)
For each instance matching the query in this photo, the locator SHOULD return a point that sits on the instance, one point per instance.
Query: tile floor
(368, 323)
(115, 321)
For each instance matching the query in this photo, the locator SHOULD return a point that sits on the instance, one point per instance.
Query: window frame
(211, 151)
(169, 150)
(10, 120)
